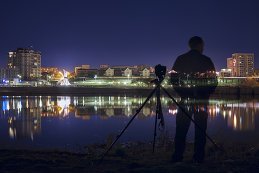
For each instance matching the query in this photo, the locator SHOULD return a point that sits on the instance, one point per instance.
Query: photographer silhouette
(194, 78)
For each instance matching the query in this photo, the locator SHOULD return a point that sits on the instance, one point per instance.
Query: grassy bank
(130, 157)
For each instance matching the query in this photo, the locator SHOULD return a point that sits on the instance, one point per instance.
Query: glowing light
(11, 133)
(224, 114)
(172, 71)
(64, 80)
(173, 111)
(235, 121)
(4, 81)
(4, 105)
(63, 105)
(217, 110)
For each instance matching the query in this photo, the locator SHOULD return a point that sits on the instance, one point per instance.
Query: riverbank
(130, 157)
(220, 92)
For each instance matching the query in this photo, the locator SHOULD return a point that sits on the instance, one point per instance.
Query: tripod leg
(159, 115)
(140, 108)
(157, 112)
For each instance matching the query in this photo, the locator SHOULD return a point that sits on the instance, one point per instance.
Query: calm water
(67, 121)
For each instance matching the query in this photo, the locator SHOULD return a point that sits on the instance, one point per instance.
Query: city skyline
(133, 32)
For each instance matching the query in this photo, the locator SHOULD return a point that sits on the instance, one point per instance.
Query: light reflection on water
(21, 118)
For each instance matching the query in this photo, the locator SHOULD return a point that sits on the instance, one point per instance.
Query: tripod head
(160, 72)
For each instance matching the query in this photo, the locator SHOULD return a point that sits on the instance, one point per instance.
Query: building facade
(83, 67)
(104, 67)
(127, 72)
(256, 72)
(225, 73)
(241, 64)
(8, 74)
(52, 70)
(27, 62)
(87, 73)
(145, 73)
(109, 72)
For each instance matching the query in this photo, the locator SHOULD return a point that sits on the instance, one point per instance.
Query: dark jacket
(194, 75)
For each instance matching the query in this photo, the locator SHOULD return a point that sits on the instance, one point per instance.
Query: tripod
(159, 115)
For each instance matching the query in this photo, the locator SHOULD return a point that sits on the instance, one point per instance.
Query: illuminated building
(81, 68)
(90, 73)
(256, 72)
(225, 73)
(119, 71)
(104, 66)
(145, 73)
(8, 73)
(109, 72)
(152, 70)
(141, 67)
(230, 63)
(52, 70)
(241, 64)
(26, 61)
(123, 67)
(127, 72)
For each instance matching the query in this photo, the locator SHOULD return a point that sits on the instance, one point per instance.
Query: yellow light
(235, 122)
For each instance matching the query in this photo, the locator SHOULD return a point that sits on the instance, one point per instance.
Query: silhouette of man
(194, 79)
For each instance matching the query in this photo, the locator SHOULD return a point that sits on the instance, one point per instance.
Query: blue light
(3, 81)
(20, 80)
(4, 106)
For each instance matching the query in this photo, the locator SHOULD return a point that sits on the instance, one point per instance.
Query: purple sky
(127, 32)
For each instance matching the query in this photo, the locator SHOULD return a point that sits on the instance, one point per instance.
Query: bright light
(224, 114)
(235, 121)
(172, 71)
(173, 111)
(4, 81)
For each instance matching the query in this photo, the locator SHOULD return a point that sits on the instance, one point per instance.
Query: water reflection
(24, 119)
(24, 114)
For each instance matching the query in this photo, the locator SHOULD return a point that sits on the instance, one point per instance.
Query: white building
(241, 64)
(127, 72)
(145, 73)
(109, 72)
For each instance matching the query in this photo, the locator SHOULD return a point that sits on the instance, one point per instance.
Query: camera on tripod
(160, 72)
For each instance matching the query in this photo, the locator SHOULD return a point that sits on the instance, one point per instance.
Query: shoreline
(130, 157)
(220, 92)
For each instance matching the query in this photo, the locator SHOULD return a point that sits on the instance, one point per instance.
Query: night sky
(120, 32)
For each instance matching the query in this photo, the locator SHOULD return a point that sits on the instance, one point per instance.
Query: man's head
(196, 43)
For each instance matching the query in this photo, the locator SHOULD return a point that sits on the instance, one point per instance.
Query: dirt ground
(130, 157)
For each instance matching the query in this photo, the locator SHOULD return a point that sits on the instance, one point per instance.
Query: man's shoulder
(205, 56)
(187, 54)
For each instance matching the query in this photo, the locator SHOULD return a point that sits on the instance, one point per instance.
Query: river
(72, 121)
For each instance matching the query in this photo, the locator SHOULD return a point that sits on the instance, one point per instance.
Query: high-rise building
(230, 63)
(8, 73)
(27, 61)
(241, 64)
